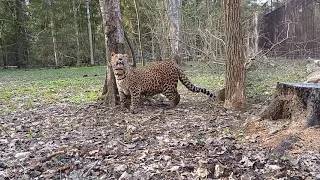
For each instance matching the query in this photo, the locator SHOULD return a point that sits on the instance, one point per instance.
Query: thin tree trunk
(114, 42)
(2, 47)
(20, 34)
(152, 47)
(2, 50)
(2, 54)
(174, 13)
(76, 28)
(217, 43)
(139, 33)
(90, 32)
(134, 64)
(248, 48)
(163, 38)
(256, 34)
(235, 70)
(53, 32)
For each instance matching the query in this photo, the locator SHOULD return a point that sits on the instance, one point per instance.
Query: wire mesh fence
(291, 28)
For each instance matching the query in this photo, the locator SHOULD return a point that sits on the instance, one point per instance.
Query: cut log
(292, 99)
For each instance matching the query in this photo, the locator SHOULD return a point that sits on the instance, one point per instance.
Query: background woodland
(39, 33)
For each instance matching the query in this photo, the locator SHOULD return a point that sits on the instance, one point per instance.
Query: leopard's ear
(112, 54)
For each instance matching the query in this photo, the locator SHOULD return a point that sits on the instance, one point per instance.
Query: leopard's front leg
(123, 99)
(135, 99)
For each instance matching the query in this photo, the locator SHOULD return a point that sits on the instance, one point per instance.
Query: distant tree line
(70, 33)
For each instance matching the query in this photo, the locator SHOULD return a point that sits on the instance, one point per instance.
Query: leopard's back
(154, 79)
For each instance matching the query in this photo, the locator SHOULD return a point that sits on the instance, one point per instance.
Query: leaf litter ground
(196, 140)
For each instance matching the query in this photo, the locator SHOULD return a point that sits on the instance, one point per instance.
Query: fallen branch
(65, 167)
(279, 151)
(51, 156)
(86, 173)
(3, 130)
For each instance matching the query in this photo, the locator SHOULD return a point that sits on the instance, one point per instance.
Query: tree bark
(235, 93)
(4, 55)
(134, 64)
(21, 45)
(256, 34)
(175, 17)
(295, 99)
(90, 32)
(152, 47)
(2, 50)
(139, 33)
(53, 32)
(114, 42)
(75, 21)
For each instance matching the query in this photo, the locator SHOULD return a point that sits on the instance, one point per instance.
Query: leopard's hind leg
(172, 94)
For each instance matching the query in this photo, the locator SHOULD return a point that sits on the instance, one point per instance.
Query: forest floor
(53, 127)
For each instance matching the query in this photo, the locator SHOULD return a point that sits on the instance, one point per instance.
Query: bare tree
(1, 52)
(256, 33)
(20, 33)
(53, 32)
(235, 93)
(90, 32)
(75, 23)
(139, 33)
(114, 42)
(174, 14)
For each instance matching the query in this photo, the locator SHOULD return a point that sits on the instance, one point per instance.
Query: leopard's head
(120, 65)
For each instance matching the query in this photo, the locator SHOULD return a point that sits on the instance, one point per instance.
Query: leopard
(161, 77)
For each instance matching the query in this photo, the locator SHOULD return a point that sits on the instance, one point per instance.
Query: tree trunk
(20, 34)
(235, 93)
(256, 34)
(90, 32)
(4, 55)
(174, 13)
(134, 64)
(295, 99)
(248, 48)
(2, 51)
(53, 32)
(139, 33)
(75, 21)
(152, 47)
(114, 42)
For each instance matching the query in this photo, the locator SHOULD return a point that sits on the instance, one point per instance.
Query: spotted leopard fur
(161, 77)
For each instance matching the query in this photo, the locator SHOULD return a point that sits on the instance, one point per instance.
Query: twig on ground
(3, 130)
(86, 173)
(65, 167)
(51, 156)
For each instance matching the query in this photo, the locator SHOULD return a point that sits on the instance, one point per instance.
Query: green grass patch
(263, 81)
(209, 82)
(25, 89)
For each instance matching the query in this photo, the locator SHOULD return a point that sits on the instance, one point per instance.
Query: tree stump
(291, 99)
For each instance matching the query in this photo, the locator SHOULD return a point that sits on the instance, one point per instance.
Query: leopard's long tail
(186, 82)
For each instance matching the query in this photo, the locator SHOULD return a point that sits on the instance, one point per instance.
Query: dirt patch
(270, 133)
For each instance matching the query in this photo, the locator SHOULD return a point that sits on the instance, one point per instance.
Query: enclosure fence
(291, 28)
